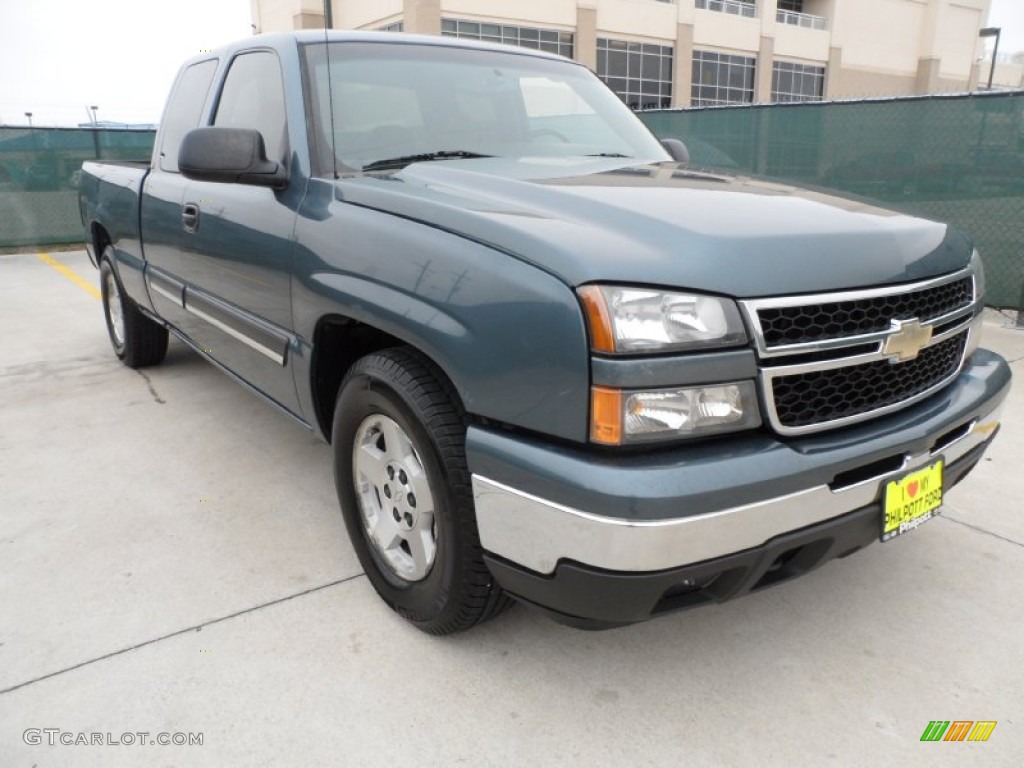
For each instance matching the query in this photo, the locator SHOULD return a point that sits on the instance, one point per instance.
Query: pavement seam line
(972, 527)
(176, 633)
(71, 275)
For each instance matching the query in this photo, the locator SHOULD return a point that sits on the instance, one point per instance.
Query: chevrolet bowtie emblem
(908, 338)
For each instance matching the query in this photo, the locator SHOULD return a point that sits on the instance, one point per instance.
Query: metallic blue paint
(706, 476)
(735, 236)
(510, 337)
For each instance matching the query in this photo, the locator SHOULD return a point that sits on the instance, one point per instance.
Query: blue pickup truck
(555, 362)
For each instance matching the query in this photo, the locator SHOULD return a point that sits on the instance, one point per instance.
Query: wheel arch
(338, 342)
(99, 238)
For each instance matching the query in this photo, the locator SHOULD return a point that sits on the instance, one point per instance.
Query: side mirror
(229, 155)
(676, 148)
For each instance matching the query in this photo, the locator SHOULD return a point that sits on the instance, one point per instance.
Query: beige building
(660, 53)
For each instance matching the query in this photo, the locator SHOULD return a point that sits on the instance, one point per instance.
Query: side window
(184, 110)
(253, 97)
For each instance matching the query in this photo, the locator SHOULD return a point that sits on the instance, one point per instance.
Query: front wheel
(405, 494)
(137, 340)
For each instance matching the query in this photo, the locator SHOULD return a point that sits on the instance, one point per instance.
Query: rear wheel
(404, 488)
(138, 341)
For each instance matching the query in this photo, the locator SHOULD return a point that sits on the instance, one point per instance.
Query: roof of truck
(307, 36)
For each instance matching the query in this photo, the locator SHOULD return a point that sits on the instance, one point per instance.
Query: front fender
(510, 336)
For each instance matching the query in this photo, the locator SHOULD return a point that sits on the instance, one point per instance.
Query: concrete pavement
(172, 560)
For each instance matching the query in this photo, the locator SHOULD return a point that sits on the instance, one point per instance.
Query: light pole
(30, 131)
(95, 131)
(991, 32)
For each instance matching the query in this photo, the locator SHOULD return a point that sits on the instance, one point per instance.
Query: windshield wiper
(608, 154)
(398, 162)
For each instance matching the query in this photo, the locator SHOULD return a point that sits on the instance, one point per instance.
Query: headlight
(633, 320)
(619, 417)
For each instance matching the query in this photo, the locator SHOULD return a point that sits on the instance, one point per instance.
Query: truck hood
(600, 221)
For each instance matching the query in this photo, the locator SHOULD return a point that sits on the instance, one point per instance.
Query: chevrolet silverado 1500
(554, 362)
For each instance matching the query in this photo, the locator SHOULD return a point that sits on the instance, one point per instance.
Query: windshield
(399, 100)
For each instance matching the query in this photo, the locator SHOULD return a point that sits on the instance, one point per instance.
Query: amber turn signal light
(606, 415)
(598, 319)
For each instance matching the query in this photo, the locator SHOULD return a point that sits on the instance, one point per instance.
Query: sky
(1009, 16)
(58, 57)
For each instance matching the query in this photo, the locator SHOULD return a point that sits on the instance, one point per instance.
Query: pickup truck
(555, 363)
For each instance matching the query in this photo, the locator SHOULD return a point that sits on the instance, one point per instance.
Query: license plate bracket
(912, 500)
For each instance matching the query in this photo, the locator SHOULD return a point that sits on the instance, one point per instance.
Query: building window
(735, 7)
(548, 40)
(792, 12)
(395, 26)
(640, 73)
(797, 82)
(720, 78)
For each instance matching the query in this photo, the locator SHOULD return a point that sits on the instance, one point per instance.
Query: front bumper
(632, 531)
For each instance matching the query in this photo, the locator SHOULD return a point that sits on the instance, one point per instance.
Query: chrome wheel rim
(395, 500)
(114, 310)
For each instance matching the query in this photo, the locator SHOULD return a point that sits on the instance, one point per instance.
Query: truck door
(165, 187)
(237, 241)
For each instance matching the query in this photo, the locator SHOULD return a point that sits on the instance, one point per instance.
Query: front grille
(818, 397)
(838, 319)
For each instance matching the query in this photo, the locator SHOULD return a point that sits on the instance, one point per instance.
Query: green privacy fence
(39, 171)
(958, 159)
(953, 158)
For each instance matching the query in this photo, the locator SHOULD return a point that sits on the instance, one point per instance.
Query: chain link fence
(958, 159)
(39, 172)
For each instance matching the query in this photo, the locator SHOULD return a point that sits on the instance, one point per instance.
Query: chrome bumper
(537, 533)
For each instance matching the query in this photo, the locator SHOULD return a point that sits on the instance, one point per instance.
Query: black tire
(400, 385)
(138, 341)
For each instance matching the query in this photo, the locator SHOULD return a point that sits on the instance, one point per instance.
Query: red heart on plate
(912, 489)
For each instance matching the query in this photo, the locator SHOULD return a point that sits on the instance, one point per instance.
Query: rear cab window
(253, 98)
(184, 109)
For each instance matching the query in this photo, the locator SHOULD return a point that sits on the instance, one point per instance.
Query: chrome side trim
(165, 293)
(165, 286)
(188, 298)
(537, 533)
(236, 334)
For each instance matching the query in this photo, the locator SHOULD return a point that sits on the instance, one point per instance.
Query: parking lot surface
(172, 561)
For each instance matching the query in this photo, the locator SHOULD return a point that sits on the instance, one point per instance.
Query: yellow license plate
(912, 500)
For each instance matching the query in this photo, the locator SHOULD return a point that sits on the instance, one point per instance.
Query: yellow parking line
(74, 277)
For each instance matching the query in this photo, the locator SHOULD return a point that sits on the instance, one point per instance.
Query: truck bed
(108, 196)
